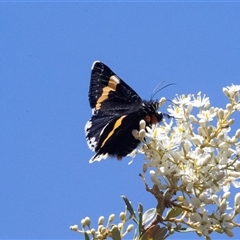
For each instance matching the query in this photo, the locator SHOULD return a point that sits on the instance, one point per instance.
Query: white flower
(234, 91)
(206, 116)
(200, 102)
(223, 219)
(202, 221)
(197, 163)
(228, 181)
(182, 100)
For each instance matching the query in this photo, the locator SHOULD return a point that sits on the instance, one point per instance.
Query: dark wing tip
(95, 63)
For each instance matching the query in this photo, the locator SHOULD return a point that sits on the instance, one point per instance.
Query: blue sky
(47, 49)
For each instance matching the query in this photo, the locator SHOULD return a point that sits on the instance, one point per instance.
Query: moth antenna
(167, 115)
(168, 100)
(155, 91)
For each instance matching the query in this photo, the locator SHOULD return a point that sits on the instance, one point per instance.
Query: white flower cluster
(110, 230)
(195, 157)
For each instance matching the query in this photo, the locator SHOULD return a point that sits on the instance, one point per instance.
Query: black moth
(116, 110)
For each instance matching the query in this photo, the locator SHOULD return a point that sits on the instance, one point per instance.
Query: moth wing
(116, 137)
(108, 91)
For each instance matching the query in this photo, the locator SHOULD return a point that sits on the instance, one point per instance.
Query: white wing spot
(99, 157)
(88, 126)
(115, 79)
(92, 143)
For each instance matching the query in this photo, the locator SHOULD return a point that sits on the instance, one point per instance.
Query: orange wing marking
(112, 85)
(116, 125)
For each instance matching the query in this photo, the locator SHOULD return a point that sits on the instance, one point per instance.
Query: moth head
(152, 115)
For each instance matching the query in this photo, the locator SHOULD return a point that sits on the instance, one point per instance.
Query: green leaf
(140, 217)
(86, 236)
(148, 215)
(185, 230)
(174, 212)
(140, 208)
(160, 233)
(115, 233)
(154, 233)
(160, 207)
(129, 207)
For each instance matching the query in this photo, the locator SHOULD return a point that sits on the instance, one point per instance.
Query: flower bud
(180, 198)
(196, 140)
(223, 206)
(171, 231)
(103, 231)
(202, 123)
(155, 180)
(130, 228)
(142, 124)
(100, 228)
(193, 119)
(223, 145)
(237, 134)
(230, 122)
(207, 159)
(228, 232)
(162, 101)
(206, 106)
(87, 221)
(214, 142)
(214, 197)
(210, 129)
(142, 133)
(101, 220)
(195, 217)
(226, 92)
(237, 107)
(237, 167)
(83, 223)
(226, 195)
(179, 226)
(225, 112)
(93, 231)
(220, 136)
(200, 131)
(111, 218)
(237, 209)
(195, 202)
(229, 225)
(220, 176)
(120, 225)
(189, 108)
(234, 174)
(135, 133)
(237, 199)
(186, 145)
(122, 216)
(74, 227)
(229, 107)
(220, 113)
